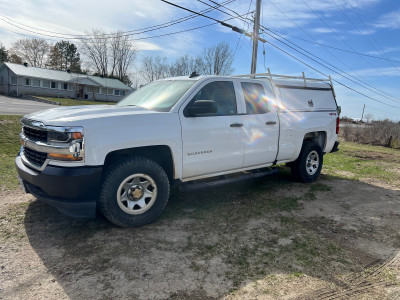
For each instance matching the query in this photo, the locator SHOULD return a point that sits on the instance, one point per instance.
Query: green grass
(363, 162)
(9, 146)
(73, 102)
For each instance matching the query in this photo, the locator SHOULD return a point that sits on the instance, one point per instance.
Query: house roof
(56, 75)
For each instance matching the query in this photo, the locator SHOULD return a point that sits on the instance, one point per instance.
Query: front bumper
(73, 191)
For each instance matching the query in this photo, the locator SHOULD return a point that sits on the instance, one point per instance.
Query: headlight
(68, 143)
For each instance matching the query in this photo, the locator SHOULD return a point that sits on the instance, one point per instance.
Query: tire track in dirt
(358, 284)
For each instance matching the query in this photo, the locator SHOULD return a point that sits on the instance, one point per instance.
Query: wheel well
(159, 154)
(318, 137)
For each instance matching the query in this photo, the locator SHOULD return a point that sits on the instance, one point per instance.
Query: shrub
(382, 133)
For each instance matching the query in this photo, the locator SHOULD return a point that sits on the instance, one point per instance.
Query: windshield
(158, 95)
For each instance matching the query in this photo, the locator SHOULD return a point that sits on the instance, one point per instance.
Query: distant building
(18, 80)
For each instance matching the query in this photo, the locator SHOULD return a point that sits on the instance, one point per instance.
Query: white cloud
(376, 72)
(322, 30)
(362, 31)
(390, 20)
(385, 50)
(300, 13)
(147, 46)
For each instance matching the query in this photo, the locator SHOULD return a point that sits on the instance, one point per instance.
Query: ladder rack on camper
(304, 78)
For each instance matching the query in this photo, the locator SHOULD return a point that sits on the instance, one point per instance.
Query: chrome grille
(36, 135)
(34, 157)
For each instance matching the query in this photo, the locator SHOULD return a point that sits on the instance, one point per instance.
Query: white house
(17, 80)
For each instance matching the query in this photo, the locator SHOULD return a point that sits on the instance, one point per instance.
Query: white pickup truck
(122, 159)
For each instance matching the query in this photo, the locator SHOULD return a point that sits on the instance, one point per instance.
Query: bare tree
(109, 54)
(33, 51)
(217, 60)
(95, 48)
(154, 68)
(185, 65)
(123, 53)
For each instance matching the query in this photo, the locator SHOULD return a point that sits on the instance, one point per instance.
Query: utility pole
(362, 116)
(256, 30)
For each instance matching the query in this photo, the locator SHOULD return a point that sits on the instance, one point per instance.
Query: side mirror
(339, 108)
(202, 107)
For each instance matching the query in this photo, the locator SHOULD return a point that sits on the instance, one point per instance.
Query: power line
(374, 89)
(348, 45)
(192, 11)
(125, 33)
(191, 29)
(320, 44)
(231, 10)
(328, 67)
(338, 82)
(240, 36)
(154, 36)
(365, 81)
(335, 48)
(369, 107)
(351, 22)
(216, 8)
(369, 32)
(308, 65)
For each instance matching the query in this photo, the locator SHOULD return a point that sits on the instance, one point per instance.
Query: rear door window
(255, 97)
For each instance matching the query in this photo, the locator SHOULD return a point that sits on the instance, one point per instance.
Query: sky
(348, 27)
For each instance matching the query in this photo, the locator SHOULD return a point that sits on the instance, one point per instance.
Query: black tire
(304, 172)
(114, 209)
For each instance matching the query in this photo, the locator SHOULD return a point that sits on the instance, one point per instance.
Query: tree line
(113, 55)
(215, 60)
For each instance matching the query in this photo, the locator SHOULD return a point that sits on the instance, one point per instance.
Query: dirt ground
(268, 238)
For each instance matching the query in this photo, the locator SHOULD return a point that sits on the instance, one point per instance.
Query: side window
(255, 97)
(222, 93)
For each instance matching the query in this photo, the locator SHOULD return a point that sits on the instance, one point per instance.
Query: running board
(191, 186)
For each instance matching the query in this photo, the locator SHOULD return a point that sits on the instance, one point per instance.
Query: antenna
(194, 74)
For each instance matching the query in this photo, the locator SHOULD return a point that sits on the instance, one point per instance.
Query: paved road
(15, 106)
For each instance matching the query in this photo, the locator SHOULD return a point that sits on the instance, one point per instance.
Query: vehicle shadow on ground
(269, 236)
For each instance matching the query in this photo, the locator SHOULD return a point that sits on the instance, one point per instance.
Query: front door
(213, 143)
(80, 91)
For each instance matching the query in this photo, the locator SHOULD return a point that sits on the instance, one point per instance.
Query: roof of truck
(278, 82)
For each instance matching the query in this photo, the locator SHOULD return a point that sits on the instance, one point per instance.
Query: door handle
(236, 125)
(270, 123)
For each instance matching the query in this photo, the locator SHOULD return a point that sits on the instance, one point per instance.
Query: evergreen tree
(64, 56)
(3, 54)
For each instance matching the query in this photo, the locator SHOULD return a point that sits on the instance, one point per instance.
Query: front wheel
(308, 165)
(134, 192)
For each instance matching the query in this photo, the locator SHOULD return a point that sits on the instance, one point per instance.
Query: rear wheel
(134, 192)
(308, 165)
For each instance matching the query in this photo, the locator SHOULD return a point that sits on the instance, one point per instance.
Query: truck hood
(64, 115)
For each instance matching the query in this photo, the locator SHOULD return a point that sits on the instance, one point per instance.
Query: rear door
(213, 143)
(261, 123)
